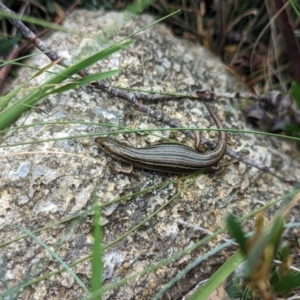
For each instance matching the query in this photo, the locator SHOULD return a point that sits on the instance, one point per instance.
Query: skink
(167, 157)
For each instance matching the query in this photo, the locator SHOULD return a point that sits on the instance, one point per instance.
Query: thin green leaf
(296, 93)
(274, 277)
(10, 114)
(234, 289)
(97, 267)
(284, 251)
(190, 267)
(237, 232)
(275, 233)
(287, 283)
(6, 45)
(255, 253)
(247, 294)
(17, 62)
(7, 98)
(152, 267)
(55, 256)
(138, 6)
(40, 22)
(83, 81)
(293, 130)
(218, 277)
(294, 8)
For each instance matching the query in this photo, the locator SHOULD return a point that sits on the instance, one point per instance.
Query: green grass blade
(237, 232)
(83, 81)
(97, 264)
(55, 256)
(10, 114)
(6, 45)
(218, 277)
(296, 93)
(288, 283)
(7, 98)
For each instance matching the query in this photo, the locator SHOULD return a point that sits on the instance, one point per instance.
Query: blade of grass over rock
(192, 266)
(10, 114)
(157, 265)
(218, 277)
(89, 211)
(55, 256)
(97, 264)
(83, 81)
(7, 98)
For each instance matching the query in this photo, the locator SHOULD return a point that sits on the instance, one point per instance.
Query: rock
(51, 181)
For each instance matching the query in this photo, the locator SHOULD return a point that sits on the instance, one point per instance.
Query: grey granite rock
(46, 182)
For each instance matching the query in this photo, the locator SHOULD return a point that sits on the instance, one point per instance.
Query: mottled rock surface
(47, 182)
